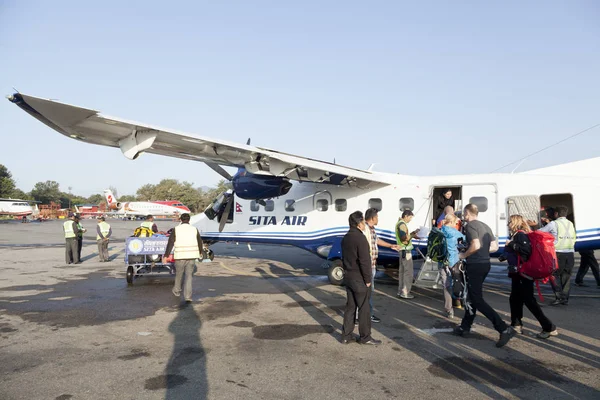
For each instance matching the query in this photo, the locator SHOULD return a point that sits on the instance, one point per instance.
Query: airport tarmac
(264, 324)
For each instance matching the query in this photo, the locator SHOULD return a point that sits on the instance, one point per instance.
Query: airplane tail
(111, 201)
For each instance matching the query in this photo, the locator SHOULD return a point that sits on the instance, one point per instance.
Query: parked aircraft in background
(18, 208)
(140, 208)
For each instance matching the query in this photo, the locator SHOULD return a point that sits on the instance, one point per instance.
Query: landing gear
(208, 255)
(335, 273)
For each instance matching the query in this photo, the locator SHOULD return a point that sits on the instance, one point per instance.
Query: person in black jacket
(446, 199)
(356, 260)
(517, 250)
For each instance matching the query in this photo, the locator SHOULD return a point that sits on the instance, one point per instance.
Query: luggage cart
(143, 257)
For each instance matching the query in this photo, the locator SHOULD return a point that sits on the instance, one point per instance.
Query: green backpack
(436, 246)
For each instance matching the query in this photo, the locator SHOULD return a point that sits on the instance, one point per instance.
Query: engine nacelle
(114, 206)
(256, 187)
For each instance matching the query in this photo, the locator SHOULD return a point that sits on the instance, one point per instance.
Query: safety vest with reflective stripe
(104, 229)
(147, 224)
(186, 242)
(68, 228)
(565, 235)
(403, 246)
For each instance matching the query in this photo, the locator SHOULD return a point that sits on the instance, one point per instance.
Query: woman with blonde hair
(452, 236)
(517, 250)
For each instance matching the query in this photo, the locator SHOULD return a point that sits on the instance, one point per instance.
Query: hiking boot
(518, 328)
(546, 335)
(505, 336)
(460, 331)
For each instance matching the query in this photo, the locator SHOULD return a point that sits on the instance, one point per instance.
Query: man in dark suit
(356, 260)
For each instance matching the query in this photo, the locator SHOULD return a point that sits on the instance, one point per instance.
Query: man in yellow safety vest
(565, 236)
(149, 223)
(186, 241)
(103, 233)
(71, 231)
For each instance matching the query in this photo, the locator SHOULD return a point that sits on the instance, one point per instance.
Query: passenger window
(407, 203)
(341, 205)
(290, 205)
(254, 206)
(270, 205)
(480, 202)
(322, 205)
(376, 204)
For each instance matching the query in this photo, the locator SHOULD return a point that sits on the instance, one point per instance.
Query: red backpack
(542, 263)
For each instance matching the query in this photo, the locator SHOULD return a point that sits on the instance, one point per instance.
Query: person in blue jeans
(452, 236)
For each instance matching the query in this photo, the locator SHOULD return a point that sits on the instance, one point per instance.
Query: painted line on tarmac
(222, 264)
(257, 275)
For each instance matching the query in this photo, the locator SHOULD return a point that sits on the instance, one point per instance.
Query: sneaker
(372, 342)
(580, 284)
(459, 331)
(175, 293)
(546, 335)
(375, 319)
(450, 314)
(518, 328)
(558, 302)
(407, 296)
(505, 336)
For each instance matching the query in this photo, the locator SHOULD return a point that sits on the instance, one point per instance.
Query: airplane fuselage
(315, 216)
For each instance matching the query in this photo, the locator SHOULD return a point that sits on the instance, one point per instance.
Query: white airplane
(281, 198)
(140, 208)
(17, 207)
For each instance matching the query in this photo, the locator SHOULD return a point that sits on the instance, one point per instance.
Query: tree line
(195, 198)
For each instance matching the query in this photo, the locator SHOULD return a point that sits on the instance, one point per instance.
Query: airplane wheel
(335, 272)
(129, 276)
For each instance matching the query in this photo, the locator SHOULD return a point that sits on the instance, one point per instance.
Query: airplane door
(485, 197)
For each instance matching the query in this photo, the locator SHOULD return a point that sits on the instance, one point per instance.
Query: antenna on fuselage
(248, 141)
(544, 149)
(371, 167)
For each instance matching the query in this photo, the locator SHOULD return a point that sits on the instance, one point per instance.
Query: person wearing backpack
(481, 242)
(518, 250)
(452, 236)
(565, 236)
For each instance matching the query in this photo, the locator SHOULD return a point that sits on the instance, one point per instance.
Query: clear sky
(408, 85)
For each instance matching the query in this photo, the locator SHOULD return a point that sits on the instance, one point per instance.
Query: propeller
(225, 214)
(219, 170)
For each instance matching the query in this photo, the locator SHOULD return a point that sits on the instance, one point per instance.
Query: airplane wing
(134, 138)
